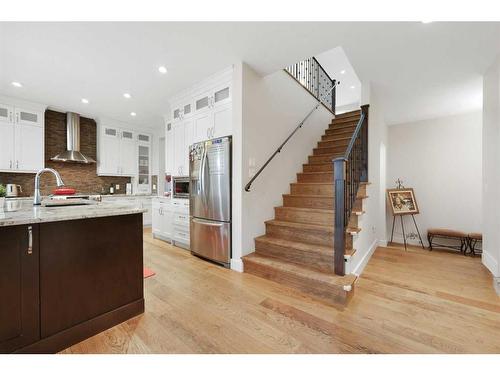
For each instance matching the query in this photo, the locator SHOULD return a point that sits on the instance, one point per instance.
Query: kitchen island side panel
(88, 267)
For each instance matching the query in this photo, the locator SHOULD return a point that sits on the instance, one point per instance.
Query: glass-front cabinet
(144, 163)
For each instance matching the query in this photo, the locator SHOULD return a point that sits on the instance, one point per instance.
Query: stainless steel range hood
(72, 153)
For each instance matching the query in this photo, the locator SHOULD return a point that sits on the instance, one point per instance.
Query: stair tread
(309, 195)
(312, 183)
(307, 209)
(296, 244)
(304, 272)
(317, 172)
(292, 224)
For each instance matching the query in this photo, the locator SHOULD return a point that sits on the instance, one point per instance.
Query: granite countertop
(17, 212)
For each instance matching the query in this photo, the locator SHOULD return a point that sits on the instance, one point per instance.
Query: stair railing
(311, 75)
(350, 170)
(278, 150)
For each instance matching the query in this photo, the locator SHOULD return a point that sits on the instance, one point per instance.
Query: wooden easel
(400, 186)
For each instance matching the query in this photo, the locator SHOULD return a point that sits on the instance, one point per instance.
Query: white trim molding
(490, 263)
(237, 265)
(360, 266)
(496, 284)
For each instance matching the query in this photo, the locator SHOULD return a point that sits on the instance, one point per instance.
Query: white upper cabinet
(21, 138)
(128, 154)
(144, 163)
(208, 116)
(109, 151)
(119, 152)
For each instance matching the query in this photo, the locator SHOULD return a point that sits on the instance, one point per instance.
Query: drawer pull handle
(30, 240)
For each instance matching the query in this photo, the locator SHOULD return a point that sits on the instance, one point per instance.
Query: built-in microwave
(180, 187)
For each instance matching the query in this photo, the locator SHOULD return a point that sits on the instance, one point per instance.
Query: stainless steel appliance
(181, 187)
(13, 190)
(210, 199)
(72, 153)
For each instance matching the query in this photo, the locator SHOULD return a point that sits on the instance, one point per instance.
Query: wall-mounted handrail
(278, 150)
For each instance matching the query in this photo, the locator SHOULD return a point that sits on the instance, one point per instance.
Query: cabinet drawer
(181, 236)
(181, 218)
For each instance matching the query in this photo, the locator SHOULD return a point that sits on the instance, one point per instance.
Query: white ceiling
(337, 65)
(423, 70)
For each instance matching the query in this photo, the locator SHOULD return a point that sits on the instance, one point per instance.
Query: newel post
(364, 143)
(339, 174)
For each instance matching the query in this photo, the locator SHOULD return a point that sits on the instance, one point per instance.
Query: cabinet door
(222, 121)
(19, 296)
(128, 154)
(109, 152)
(157, 219)
(29, 146)
(179, 145)
(7, 158)
(144, 168)
(189, 132)
(28, 117)
(169, 152)
(222, 94)
(202, 123)
(202, 102)
(167, 220)
(6, 114)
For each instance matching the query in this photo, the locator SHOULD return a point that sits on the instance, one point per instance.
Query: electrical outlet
(251, 162)
(117, 187)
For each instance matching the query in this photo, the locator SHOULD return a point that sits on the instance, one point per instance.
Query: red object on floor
(64, 191)
(148, 272)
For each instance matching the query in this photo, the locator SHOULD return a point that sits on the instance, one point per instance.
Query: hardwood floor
(405, 302)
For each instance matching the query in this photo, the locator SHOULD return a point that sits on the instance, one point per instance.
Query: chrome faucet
(37, 200)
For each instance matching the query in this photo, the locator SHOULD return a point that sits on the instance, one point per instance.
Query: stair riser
(320, 159)
(315, 177)
(348, 114)
(336, 137)
(333, 143)
(308, 202)
(329, 150)
(317, 289)
(327, 167)
(344, 132)
(347, 120)
(320, 218)
(312, 189)
(311, 259)
(313, 236)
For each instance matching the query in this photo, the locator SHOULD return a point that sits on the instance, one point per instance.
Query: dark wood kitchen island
(67, 273)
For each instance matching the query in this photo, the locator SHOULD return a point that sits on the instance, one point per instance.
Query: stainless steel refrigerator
(210, 199)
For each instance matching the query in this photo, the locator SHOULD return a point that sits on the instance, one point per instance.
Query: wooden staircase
(297, 249)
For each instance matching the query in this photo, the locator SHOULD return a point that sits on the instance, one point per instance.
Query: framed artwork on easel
(402, 201)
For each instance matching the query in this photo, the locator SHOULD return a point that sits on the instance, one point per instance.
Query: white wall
(372, 222)
(491, 170)
(271, 107)
(441, 160)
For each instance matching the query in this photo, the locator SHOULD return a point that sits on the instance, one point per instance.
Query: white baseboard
(237, 265)
(490, 263)
(360, 266)
(496, 284)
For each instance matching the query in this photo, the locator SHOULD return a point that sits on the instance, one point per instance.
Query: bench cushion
(476, 236)
(446, 232)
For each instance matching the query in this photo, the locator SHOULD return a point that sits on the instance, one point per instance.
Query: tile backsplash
(82, 177)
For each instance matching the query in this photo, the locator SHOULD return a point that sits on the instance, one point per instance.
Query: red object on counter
(64, 191)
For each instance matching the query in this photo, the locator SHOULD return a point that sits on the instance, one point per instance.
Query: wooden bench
(448, 234)
(474, 239)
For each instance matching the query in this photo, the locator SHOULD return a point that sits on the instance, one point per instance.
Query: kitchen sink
(67, 202)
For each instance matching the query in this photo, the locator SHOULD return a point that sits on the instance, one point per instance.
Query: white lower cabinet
(171, 220)
(162, 219)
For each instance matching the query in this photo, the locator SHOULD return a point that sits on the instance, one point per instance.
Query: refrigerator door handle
(209, 223)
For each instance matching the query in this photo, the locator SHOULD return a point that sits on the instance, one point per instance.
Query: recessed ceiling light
(353, 87)
(85, 101)
(16, 84)
(133, 114)
(127, 95)
(342, 72)
(426, 21)
(162, 70)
